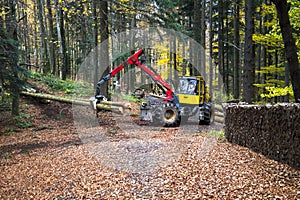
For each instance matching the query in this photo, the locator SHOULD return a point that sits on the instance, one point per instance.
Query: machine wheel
(170, 115)
(208, 119)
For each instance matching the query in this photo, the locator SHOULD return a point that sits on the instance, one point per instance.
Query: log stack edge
(272, 130)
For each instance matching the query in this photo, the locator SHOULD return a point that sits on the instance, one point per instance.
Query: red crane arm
(134, 60)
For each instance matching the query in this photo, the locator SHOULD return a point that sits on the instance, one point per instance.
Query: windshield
(187, 86)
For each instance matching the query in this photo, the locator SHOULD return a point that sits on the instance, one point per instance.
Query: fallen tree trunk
(101, 106)
(112, 103)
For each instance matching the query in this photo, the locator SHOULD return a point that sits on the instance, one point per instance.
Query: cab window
(188, 86)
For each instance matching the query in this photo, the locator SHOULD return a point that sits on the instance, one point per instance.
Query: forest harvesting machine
(168, 110)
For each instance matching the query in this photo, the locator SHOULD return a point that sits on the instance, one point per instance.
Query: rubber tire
(208, 119)
(170, 115)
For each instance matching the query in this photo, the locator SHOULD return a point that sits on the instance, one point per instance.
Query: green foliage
(219, 134)
(23, 120)
(274, 84)
(66, 86)
(273, 37)
(269, 39)
(274, 88)
(130, 98)
(12, 75)
(6, 156)
(271, 69)
(272, 92)
(9, 131)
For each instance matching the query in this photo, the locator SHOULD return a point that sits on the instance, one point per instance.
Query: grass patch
(113, 130)
(130, 98)
(23, 120)
(9, 131)
(56, 84)
(219, 134)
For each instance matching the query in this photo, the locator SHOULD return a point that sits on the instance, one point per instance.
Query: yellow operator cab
(194, 98)
(191, 90)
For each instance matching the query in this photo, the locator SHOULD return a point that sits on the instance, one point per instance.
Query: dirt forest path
(49, 161)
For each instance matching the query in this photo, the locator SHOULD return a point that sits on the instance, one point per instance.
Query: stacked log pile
(273, 130)
(219, 114)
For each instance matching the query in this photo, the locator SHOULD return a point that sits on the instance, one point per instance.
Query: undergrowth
(219, 134)
(56, 84)
(130, 98)
(23, 120)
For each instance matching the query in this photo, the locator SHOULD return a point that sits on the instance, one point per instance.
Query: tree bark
(203, 41)
(44, 38)
(65, 57)
(220, 45)
(96, 51)
(104, 56)
(197, 37)
(289, 45)
(211, 37)
(52, 59)
(249, 65)
(236, 67)
(117, 107)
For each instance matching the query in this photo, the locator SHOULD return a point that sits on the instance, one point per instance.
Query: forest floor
(49, 160)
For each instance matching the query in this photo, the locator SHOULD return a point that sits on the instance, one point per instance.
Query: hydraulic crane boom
(165, 111)
(134, 60)
(168, 110)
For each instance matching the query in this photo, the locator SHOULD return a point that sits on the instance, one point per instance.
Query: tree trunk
(220, 44)
(96, 53)
(65, 57)
(236, 51)
(197, 37)
(58, 27)
(203, 45)
(170, 61)
(44, 38)
(36, 46)
(52, 59)
(132, 68)
(226, 50)
(289, 44)
(117, 107)
(104, 59)
(249, 65)
(211, 37)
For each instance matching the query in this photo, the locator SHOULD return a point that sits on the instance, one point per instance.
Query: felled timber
(117, 108)
(218, 108)
(219, 114)
(112, 103)
(219, 119)
(273, 130)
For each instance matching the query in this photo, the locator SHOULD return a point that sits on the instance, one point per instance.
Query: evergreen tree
(9, 57)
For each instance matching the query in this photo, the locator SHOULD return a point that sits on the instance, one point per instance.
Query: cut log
(112, 103)
(219, 114)
(101, 106)
(219, 119)
(219, 108)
